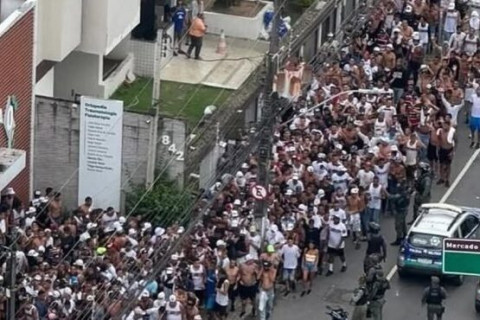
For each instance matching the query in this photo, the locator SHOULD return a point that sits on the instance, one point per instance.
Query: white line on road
(446, 195)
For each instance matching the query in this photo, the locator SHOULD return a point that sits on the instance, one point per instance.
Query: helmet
(374, 227)
(424, 167)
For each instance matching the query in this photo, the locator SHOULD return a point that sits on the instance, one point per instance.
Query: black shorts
(232, 292)
(332, 252)
(221, 310)
(247, 292)
(410, 171)
(432, 152)
(444, 155)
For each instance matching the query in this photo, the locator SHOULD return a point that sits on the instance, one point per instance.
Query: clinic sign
(461, 256)
(100, 162)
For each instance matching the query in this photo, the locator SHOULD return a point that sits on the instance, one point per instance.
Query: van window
(468, 225)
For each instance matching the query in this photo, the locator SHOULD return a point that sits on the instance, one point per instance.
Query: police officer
(377, 295)
(423, 187)
(360, 300)
(372, 267)
(400, 202)
(433, 296)
(376, 243)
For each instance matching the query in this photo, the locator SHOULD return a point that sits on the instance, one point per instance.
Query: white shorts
(355, 222)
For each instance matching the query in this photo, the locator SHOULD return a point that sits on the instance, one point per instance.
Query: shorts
(410, 171)
(221, 310)
(289, 274)
(432, 152)
(332, 252)
(356, 222)
(309, 267)
(247, 292)
(474, 123)
(444, 155)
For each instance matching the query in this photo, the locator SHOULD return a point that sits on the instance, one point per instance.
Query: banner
(100, 163)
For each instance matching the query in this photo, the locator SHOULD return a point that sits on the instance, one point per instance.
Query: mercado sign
(100, 162)
(461, 256)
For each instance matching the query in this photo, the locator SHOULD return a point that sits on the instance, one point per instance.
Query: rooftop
(227, 71)
(7, 7)
(12, 162)
(436, 221)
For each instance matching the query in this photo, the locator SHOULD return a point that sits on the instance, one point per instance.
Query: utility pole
(268, 116)
(152, 143)
(12, 275)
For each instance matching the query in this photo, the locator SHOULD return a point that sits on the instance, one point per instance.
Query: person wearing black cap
(267, 285)
(433, 296)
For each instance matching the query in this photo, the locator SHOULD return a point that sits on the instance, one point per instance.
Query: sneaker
(357, 245)
(320, 271)
(303, 293)
(175, 53)
(285, 294)
(447, 183)
(329, 273)
(477, 146)
(440, 181)
(344, 268)
(472, 144)
(198, 58)
(309, 291)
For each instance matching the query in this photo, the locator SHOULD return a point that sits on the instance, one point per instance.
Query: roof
(437, 219)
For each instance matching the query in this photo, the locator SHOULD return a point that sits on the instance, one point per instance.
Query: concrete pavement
(403, 300)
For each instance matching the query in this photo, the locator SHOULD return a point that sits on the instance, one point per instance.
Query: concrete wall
(78, 73)
(116, 78)
(106, 22)
(59, 27)
(57, 143)
(236, 26)
(44, 87)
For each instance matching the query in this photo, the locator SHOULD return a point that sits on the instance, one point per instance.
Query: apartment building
(82, 46)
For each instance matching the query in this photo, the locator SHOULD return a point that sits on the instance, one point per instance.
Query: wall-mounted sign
(100, 163)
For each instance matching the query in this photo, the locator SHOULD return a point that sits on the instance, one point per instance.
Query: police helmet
(374, 227)
(424, 167)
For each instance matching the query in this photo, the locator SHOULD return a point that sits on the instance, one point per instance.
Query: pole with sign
(461, 257)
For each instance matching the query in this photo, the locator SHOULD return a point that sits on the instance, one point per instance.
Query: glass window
(468, 225)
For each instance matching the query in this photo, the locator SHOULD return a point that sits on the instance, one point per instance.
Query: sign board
(259, 192)
(100, 162)
(461, 256)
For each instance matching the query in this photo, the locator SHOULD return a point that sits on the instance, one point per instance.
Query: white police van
(421, 250)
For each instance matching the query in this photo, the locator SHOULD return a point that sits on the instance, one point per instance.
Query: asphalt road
(403, 300)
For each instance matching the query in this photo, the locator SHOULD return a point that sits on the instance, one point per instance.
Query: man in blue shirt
(179, 17)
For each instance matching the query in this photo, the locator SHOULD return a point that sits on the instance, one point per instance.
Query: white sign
(100, 163)
(259, 192)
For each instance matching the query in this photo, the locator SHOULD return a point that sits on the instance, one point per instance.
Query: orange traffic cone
(222, 44)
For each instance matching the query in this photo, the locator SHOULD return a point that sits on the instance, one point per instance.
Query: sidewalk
(223, 71)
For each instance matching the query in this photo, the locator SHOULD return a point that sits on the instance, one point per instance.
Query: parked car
(421, 250)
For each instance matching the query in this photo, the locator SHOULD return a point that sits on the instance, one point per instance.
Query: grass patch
(177, 99)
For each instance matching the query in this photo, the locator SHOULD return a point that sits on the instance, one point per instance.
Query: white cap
(180, 230)
(172, 298)
(174, 257)
(289, 192)
(37, 277)
(237, 202)
(91, 225)
(67, 291)
(302, 207)
(220, 243)
(31, 210)
(252, 228)
(249, 257)
(146, 226)
(310, 169)
(354, 191)
(394, 148)
(451, 6)
(79, 263)
(145, 294)
(295, 177)
(169, 270)
(245, 165)
(9, 192)
(416, 36)
(234, 213)
(376, 49)
(389, 46)
(239, 174)
(32, 253)
(161, 296)
(132, 232)
(408, 9)
(122, 220)
(474, 13)
(330, 34)
(41, 249)
(197, 317)
(159, 231)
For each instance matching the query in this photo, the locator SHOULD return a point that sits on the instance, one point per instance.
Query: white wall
(44, 87)
(79, 72)
(59, 27)
(236, 26)
(106, 22)
(9, 6)
(117, 77)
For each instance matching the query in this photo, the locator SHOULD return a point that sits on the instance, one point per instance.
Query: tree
(164, 204)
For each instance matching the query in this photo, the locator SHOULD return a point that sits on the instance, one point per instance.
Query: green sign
(461, 256)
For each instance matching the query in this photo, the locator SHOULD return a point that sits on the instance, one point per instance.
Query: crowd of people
(377, 121)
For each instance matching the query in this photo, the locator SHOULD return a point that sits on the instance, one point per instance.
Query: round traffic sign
(259, 192)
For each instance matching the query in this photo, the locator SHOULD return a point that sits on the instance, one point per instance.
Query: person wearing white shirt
(337, 232)
(474, 119)
(452, 109)
(365, 176)
(290, 254)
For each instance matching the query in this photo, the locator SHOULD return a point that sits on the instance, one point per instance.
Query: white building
(81, 46)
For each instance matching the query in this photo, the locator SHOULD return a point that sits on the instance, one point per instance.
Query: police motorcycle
(337, 313)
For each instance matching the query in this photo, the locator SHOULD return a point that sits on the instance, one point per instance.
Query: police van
(421, 250)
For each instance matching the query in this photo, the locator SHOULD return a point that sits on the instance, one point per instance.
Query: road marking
(445, 196)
